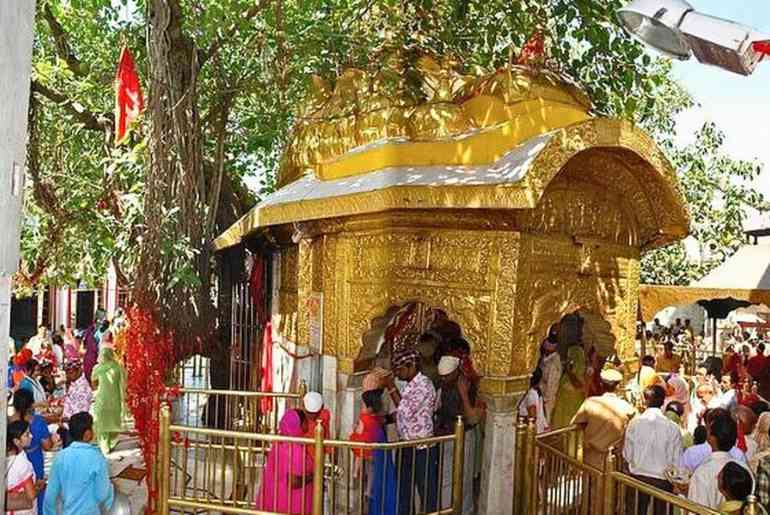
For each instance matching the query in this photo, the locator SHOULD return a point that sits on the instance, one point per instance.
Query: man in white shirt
(653, 443)
(704, 485)
(729, 398)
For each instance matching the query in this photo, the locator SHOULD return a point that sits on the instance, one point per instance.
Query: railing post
(519, 464)
(318, 470)
(530, 469)
(458, 462)
(753, 507)
(302, 391)
(164, 459)
(609, 483)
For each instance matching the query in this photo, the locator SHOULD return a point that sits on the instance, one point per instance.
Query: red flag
(129, 102)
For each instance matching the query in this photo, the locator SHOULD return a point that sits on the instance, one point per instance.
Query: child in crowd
(378, 464)
(371, 423)
(735, 484)
(20, 476)
(80, 475)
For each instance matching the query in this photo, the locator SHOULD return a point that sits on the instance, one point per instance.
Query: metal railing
(193, 372)
(628, 495)
(550, 477)
(553, 477)
(214, 470)
(254, 412)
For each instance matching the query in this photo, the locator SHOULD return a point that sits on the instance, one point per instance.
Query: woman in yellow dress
(572, 388)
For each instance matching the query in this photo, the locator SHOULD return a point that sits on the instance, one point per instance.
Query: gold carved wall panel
(469, 274)
(556, 281)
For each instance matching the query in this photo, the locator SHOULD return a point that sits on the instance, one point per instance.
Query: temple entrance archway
(403, 325)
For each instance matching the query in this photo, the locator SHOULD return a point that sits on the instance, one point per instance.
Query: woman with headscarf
(109, 379)
(287, 482)
(31, 382)
(572, 388)
(761, 436)
(678, 390)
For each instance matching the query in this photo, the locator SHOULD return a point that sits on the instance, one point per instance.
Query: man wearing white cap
(456, 398)
(313, 406)
(604, 419)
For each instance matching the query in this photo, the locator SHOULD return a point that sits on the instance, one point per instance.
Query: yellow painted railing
(233, 410)
(221, 471)
(550, 477)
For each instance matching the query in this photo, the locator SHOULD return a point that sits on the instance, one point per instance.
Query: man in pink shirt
(78, 397)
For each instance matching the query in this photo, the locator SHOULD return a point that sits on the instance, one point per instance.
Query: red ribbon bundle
(149, 355)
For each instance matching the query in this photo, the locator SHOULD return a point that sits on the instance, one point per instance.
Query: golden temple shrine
(497, 201)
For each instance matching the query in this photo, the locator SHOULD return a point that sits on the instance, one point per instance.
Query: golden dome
(373, 121)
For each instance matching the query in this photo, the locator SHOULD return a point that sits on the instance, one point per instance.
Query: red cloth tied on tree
(266, 369)
(149, 356)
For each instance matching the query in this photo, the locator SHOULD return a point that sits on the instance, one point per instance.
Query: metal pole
(318, 470)
(164, 459)
(530, 469)
(609, 483)
(519, 466)
(753, 507)
(458, 463)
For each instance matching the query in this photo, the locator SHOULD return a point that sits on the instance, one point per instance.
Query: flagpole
(16, 18)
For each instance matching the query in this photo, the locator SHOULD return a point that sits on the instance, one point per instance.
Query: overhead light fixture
(722, 43)
(656, 23)
(674, 28)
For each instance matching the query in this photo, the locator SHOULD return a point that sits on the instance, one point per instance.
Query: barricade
(550, 477)
(255, 412)
(215, 470)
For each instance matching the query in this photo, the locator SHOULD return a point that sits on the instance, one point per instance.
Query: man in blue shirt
(79, 477)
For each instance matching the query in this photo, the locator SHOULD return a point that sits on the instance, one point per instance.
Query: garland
(149, 355)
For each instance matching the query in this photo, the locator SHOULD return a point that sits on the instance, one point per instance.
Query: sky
(739, 105)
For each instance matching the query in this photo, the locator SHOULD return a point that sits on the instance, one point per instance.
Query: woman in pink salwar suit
(287, 482)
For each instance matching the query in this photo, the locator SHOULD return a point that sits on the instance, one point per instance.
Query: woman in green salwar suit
(571, 392)
(109, 379)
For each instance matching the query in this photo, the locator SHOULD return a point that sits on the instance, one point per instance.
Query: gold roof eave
(654, 298)
(521, 190)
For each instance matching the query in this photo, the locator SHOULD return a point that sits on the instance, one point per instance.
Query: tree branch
(216, 46)
(92, 121)
(63, 47)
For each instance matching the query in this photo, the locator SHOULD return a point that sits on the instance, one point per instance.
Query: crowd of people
(430, 382)
(67, 396)
(705, 437)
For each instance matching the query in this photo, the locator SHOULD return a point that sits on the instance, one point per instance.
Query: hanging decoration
(533, 52)
(149, 356)
(129, 102)
(257, 287)
(266, 369)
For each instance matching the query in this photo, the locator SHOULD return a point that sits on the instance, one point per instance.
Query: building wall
(16, 32)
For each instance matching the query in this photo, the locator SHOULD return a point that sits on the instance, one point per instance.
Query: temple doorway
(577, 348)
(416, 325)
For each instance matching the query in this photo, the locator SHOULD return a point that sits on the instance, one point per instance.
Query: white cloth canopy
(747, 269)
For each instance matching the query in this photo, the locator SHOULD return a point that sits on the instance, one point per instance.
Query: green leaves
(258, 56)
(719, 191)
